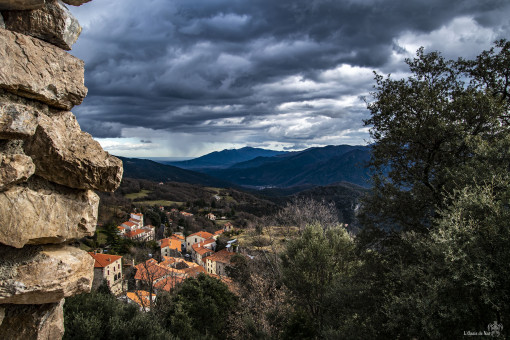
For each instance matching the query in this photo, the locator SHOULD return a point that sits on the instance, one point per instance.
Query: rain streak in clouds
(186, 77)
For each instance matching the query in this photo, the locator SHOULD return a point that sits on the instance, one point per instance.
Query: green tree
(434, 251)
(200, 308)
(102, 316)
(311, 265)
(457, 280)
(426, 129)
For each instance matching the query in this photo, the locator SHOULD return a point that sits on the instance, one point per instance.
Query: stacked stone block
(49, 169)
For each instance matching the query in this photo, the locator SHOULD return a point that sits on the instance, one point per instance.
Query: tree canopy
(436, 245)
(435, 132)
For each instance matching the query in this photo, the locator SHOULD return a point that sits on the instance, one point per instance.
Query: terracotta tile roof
(199, 249)
(222, 256)
(176, 236)
(140, 297)
(172, 262)
(167, 284)
(121, 228)
(102, 260)
(171, 243)
(177, 245)
(139, 215)
(208, 241)
(129, 224)
(133, 233)
(219, 232)
(192, 272)
(150, 270)
(191, 264)
(202, 234)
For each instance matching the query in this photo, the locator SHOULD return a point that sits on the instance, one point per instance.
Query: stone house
(170, 246)
(109, 268)
(202, 249)
(198, 237)
(217, 262)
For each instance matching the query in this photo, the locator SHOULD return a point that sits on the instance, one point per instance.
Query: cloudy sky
(181, 78)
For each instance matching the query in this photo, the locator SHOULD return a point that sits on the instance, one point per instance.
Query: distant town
(179, 257)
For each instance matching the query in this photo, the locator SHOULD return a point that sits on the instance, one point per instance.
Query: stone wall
(49, 169)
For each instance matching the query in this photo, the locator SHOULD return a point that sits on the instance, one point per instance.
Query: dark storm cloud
(212, 66)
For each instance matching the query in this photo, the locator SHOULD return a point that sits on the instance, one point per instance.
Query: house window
(108, 271)
(195, 240)
(114, 269)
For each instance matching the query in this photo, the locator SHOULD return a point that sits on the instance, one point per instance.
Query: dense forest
(431, 260)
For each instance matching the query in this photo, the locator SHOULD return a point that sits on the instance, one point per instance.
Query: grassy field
(216, 190)
(140, 194)
(159, 202)
(222, 222)
(271, 238)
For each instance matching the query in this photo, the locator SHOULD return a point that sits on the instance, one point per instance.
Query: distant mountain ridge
(314, 166)
(157, 172)
(318, 166)
(224, 158)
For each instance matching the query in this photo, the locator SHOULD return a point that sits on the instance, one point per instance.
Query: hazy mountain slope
(157, 172)
(319, 166)
(225, 158)
(349, 167)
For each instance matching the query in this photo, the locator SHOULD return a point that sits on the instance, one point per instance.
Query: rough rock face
(17, 120)
(34, 69)
(15, 169)
(44, 274)
(52, 23)
(40, 322)
(64, 154)
(48, 168)
(75, 2)
(21, 4)
(38, 212)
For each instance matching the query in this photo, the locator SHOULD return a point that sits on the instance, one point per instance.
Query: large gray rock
(75, 2)
(35, 69)
(66, 155)
(17, 120)
(15, 169)
(21, 4)
(39, 212)
(2, 23)
(43, 274)
(53, 23)
(34, 322)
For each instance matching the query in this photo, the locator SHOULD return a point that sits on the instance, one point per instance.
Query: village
(180, 257)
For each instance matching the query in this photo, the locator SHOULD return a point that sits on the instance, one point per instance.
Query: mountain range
(157, 172)
(224, 159)
(314, 166)
(259, 168)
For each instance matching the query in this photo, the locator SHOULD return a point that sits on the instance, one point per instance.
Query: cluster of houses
(135, 229)
(153, 276)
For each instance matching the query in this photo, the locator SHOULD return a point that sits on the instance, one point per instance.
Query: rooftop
(203, 234)
(102, 260)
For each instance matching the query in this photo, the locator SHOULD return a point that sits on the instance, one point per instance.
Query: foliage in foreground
(99, 315)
